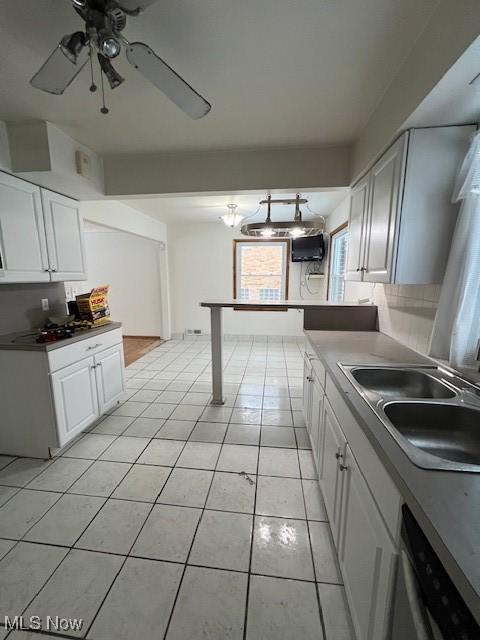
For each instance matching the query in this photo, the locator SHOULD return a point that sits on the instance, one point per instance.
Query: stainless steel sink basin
(407, 383)
(432, 413)
(448, 431)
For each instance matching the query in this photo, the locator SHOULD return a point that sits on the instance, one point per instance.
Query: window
(261, 269)
(338, 262)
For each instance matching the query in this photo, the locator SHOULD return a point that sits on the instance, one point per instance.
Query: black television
(308, 249)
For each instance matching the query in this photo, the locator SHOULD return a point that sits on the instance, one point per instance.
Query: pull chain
(93, 86)
(104, 108)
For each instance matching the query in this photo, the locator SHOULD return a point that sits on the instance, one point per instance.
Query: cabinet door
(65, 242)
(356, 229)
(316, 435)
(386, 191)
(23, 250)
(109, 368)
(75, 399)
(331, 476)
(307, 393)
(367, 557)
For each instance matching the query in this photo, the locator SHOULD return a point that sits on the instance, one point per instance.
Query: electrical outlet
(45, 304)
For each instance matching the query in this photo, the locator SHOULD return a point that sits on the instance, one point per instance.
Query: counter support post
(217, 363)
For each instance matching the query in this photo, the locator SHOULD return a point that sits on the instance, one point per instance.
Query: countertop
(288, 304)
(446, 504)
(7, 341)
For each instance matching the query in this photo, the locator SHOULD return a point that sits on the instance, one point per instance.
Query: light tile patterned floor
(175, 519)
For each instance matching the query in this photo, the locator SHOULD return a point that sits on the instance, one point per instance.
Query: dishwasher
(427, 605)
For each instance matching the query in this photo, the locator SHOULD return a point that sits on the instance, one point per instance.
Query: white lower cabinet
(316, 417)
(330, 473)
(367, 556)
(75, 398)
(366, 547)
(85, 390)
(307, 392)
(109, 376)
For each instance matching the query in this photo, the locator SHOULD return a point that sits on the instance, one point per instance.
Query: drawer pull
(338, 455)
(94, 346)
(343, 467)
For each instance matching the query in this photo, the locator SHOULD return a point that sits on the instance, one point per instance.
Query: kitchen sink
(407, 383)
(431, 412)
(448, 431)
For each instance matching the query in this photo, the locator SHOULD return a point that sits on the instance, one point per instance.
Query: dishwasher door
(410, 616)
(427, 604)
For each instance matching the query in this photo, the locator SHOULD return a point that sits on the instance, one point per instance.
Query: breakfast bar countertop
(255, 305)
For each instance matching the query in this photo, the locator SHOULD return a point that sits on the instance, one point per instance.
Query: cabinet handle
(53, 270)
(47, 270)
(338, 455)
(93, 366)
(343, 467)
(94, 346)
(309, 379)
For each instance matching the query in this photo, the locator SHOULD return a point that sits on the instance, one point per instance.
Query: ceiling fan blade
(135, 5)
(58, 71)
(143, 58)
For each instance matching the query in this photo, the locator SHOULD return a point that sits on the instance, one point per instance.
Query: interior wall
(130, 265)
(20, 306)
(201, 268)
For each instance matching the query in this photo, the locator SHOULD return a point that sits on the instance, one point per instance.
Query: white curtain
(457, 326)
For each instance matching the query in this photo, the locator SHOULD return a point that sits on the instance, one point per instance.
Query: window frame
(265, 241)
(341, 229)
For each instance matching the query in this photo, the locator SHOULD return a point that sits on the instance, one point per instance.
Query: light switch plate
(45, 304)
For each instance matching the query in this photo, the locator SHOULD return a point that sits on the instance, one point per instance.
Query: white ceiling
(278, 72)
(209, 208)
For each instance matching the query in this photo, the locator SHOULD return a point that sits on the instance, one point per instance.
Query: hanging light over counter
(295, 228)
(231, 219)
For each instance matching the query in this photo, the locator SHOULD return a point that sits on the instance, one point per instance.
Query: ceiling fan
(105, 21)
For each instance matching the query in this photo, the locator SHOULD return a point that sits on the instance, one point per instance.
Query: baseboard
(144, 337)
(238, 337)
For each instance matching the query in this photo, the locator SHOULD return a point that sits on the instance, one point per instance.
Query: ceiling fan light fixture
(108, 45)
(79, 3)
(231, 219)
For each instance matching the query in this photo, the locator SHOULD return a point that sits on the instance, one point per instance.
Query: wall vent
(193, 332)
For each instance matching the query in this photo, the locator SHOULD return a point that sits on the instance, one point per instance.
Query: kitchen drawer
(71, 353)
(382, 487)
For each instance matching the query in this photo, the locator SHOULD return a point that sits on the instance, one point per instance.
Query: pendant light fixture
(231, 219)
(295, 228)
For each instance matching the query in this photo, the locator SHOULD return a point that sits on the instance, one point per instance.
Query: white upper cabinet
(41, 234)
(386, 182)
(23, 249)
(65, 244)
(356, 229)
(401, 213)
